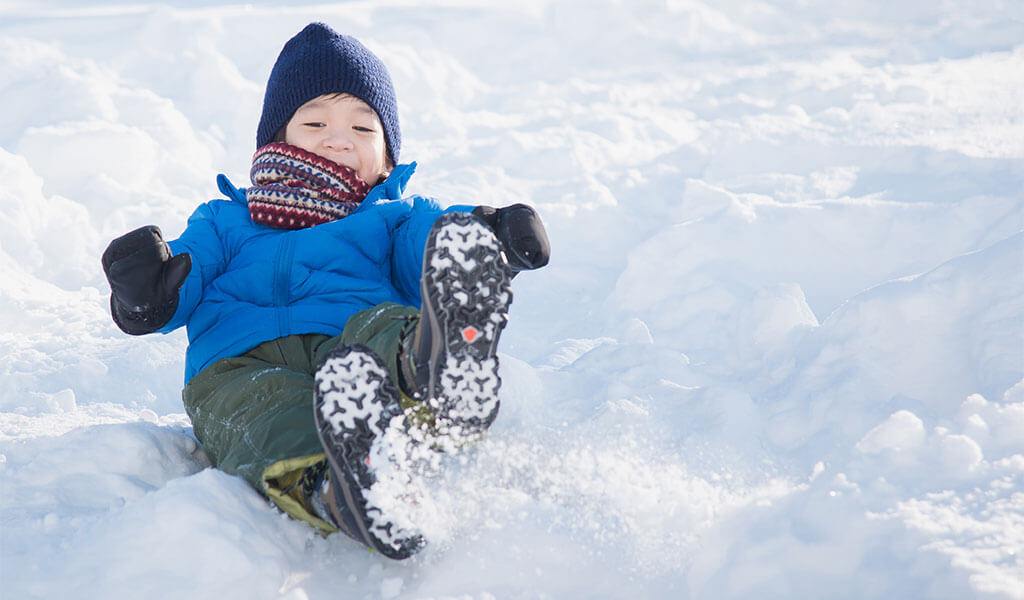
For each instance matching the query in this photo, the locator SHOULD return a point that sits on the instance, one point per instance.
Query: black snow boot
(450, 361)
(361, 427)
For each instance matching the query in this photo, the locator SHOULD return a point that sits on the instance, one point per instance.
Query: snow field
(778, 352)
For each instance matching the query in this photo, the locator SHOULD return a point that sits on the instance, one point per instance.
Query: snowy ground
(778, 353)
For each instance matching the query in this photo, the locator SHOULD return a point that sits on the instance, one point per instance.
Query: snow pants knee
(253, 413)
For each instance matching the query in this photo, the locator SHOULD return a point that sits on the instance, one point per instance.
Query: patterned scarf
(294, 189)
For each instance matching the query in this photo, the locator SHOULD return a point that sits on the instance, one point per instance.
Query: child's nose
(338, 139)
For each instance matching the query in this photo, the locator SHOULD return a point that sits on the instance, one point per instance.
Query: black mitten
(144, 280)
(521, 231)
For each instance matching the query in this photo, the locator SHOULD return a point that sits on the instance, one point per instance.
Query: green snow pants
(253, 413)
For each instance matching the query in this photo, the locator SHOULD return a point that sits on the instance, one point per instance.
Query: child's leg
(253, 415)
(444, 361)
(447, 360)
(384, 329)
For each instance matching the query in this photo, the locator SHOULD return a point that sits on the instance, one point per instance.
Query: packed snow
(778, 352)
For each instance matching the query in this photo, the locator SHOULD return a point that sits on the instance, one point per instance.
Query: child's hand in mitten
(144, 280)
(521, 232)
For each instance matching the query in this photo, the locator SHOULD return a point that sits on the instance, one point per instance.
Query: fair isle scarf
(294, 189)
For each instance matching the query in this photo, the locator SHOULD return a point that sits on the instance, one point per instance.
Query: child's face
(344, 129)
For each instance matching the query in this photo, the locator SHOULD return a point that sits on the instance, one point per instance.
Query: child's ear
(389, 166)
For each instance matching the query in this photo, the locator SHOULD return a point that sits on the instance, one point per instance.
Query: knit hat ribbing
(320, 61)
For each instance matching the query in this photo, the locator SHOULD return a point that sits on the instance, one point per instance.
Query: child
(306, 349)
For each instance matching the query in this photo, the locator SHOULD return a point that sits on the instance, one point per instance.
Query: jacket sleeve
(408, 243)
(203, 241)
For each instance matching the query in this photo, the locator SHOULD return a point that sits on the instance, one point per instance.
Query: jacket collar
(394, 186)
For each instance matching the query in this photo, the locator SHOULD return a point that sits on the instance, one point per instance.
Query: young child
(325, 312)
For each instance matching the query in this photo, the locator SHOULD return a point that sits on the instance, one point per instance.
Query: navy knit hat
(320, 61)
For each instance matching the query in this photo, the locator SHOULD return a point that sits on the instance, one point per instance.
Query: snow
(778, 352)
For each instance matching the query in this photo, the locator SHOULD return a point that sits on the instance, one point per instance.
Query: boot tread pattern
(468, 283)
(355, 405)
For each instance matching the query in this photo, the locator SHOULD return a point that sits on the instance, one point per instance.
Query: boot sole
(354, 405)
(466, 293)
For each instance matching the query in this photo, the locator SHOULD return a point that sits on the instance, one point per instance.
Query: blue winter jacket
(251, 283)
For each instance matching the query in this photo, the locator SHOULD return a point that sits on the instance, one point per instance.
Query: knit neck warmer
(294, 189)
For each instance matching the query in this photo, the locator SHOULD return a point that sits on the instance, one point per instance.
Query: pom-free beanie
(320, 61)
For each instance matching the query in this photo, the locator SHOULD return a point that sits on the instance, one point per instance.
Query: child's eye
(362, 129)
(313, 124)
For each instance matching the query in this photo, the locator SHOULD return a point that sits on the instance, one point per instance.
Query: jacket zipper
(282, 279)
